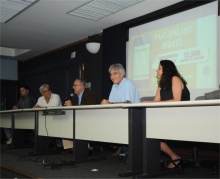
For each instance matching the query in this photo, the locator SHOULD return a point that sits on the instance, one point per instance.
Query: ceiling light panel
(11, 8)
(98, 9)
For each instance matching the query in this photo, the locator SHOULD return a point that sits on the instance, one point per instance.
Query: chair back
(200, 98)
(147, 98)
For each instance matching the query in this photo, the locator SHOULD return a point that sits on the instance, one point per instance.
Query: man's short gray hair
(81, 81)
(117, 66)
(42, 87)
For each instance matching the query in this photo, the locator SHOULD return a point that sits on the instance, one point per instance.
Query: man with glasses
(82, 95)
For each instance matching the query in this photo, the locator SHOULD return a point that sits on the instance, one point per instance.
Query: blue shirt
(80, 98)
(125, 91)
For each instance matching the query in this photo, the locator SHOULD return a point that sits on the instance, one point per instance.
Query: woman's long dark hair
(169, 70)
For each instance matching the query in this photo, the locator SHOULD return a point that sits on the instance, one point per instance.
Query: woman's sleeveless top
(168, 94)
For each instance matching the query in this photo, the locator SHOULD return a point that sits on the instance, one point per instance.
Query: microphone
(70, 97)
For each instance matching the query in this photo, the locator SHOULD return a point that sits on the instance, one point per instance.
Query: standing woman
(171, 87)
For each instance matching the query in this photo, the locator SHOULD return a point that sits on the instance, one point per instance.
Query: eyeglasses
(76, 85)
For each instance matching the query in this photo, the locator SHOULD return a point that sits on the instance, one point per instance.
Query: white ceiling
(45, 26)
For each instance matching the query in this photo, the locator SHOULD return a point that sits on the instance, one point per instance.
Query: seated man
(123, 91)
(48, 99)
(25, 101)
(82, 96)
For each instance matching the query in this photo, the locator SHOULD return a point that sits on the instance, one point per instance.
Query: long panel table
(56, 122)
(6, 118)
(102, 123)
(196, 121)
(137, 125)
(19, 119)
(15, 120)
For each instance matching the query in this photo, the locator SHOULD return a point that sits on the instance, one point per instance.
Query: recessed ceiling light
(98, 9)
(10, 8)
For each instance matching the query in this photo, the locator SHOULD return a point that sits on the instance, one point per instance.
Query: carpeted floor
(16, 163)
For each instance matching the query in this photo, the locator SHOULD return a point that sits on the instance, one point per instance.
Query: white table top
(215, 102)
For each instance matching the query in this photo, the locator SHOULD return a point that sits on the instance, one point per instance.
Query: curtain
(114, 51)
